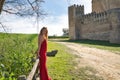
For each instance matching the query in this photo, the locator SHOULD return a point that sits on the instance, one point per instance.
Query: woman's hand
(37, 55)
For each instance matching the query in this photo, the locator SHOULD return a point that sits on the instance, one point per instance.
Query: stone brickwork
(103, 5)
(94, 26)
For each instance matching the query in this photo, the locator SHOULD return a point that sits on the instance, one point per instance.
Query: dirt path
(106, 63)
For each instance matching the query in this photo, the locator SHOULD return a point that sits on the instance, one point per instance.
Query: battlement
(95, 17)
(98, 25)
(78, 12)
(79, 9)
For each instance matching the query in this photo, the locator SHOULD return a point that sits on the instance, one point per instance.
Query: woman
(42, 48)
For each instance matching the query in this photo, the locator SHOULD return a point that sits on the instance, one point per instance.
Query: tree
(1, 5)
(65, 32)
(23, 8)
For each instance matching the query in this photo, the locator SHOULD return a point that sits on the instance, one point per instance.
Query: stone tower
(102, 24)
(75, 14)
(104, 5)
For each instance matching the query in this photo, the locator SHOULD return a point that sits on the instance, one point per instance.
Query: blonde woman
(42, 49)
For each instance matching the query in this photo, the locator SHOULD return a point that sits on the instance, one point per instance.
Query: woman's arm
(40, 40)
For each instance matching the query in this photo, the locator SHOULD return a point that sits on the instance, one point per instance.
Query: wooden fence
(32, 74)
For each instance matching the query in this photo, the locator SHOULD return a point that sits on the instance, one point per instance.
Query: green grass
(62, 66)
(100, 45)
(57, 37)
(88, 73)
(16, 53)
(104, 45)
(20, 48)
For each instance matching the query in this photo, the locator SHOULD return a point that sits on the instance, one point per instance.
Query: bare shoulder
(41, 38)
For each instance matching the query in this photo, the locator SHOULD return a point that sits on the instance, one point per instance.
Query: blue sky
(55, 21)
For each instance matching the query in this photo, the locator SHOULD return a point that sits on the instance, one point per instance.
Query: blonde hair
(41, 32)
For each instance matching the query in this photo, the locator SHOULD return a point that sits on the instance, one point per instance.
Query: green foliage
(16, 55)
(105, 45)
(58, 37)
(62, 66)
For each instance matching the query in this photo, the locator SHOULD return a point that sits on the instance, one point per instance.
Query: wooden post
(22, 77)
(33, 71)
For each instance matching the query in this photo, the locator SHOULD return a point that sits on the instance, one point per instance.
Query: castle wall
(104, 5)
(73, 12)
(115, 21)
(94, 26)
(72, 15)
(95, 31)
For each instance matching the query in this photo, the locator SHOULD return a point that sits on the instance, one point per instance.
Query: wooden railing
(33, 71)
(32, 74)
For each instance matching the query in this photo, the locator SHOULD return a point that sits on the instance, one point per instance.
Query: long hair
(41, 32)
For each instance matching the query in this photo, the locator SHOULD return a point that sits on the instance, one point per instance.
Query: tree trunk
(1, 5)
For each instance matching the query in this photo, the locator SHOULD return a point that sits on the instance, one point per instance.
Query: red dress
(42, 66)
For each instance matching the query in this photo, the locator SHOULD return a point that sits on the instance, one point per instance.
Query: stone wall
(71, 17)
(104, 5)
(115, 22)
(94, 26)
(73, 12)
(96, 31)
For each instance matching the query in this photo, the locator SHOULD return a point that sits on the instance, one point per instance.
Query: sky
(55, 21)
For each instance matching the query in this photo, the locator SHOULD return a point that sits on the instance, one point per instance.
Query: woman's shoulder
(41, 38)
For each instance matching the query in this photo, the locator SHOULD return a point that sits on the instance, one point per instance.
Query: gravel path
(106, 63)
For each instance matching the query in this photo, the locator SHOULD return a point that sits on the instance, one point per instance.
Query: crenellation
(79, 10)
(95, 17)
(97, 25)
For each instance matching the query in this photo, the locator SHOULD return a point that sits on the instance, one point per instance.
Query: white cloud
(56, 21)
(55, 24)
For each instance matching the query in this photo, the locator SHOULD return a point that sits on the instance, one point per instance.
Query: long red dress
(42, 64)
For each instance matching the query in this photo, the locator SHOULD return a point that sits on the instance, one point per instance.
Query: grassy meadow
(16, 55)
(62, 66)
(104, 45)
(17, 52)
